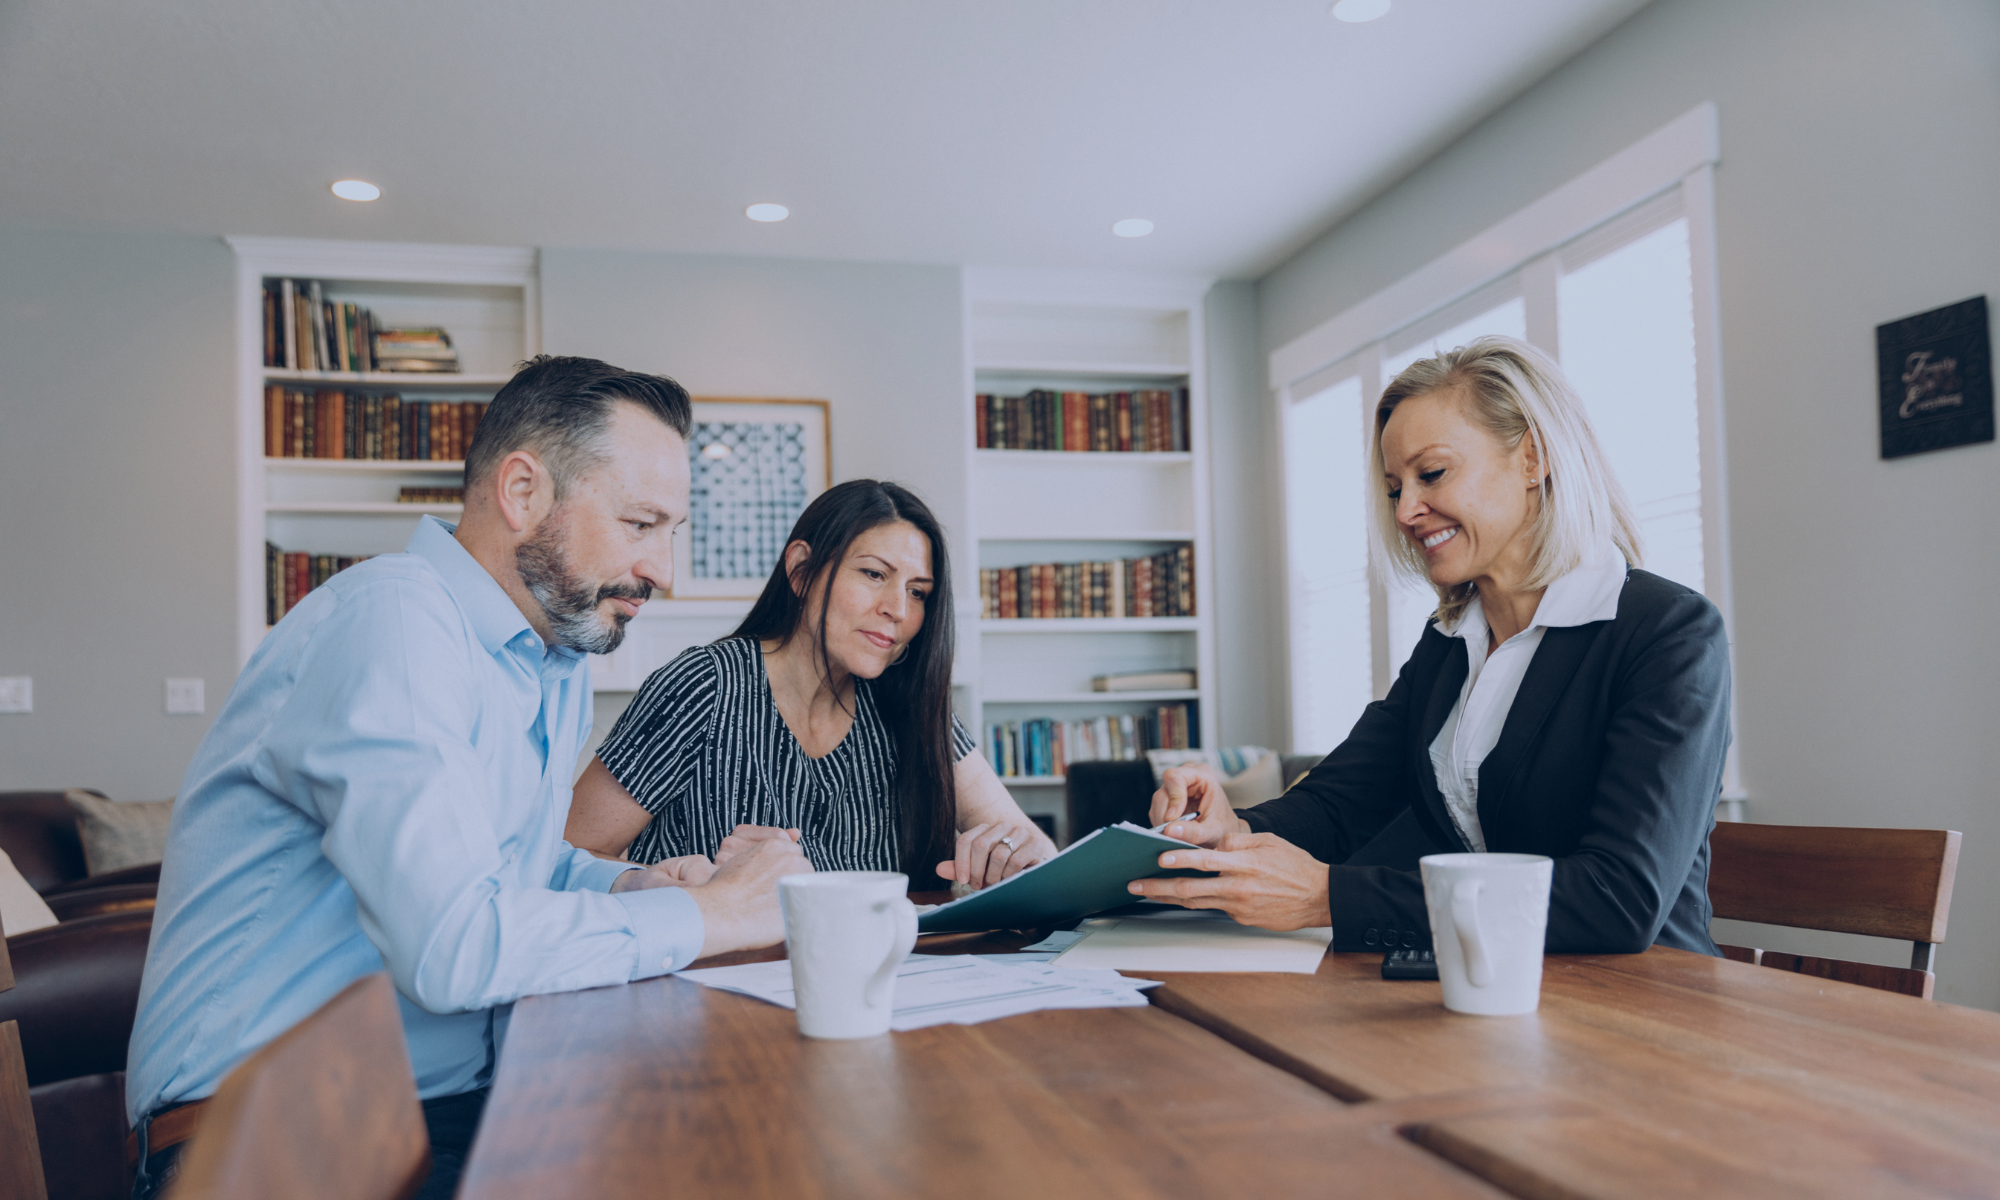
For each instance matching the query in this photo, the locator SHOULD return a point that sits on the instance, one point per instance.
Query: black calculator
(1410, 964)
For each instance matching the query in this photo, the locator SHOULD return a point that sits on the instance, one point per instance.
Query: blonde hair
(1513, 391)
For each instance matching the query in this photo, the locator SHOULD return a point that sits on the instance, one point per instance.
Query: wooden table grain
(1659, 1074)
(668, 1088)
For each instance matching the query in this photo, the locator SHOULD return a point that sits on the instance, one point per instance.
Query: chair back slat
(327, 1111)
(20, 1150)
(1893, 883)
(1874, 975)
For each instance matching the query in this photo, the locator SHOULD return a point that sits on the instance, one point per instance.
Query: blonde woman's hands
(987, 854)
(1194, 808)
(1261, 880)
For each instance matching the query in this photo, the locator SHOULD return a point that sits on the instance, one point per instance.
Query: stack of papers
(954, 989)
(1187, 940)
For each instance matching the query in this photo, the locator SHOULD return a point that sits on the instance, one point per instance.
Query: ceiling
(938, 131)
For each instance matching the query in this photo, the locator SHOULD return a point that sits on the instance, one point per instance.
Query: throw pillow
(115, 835)
(1250, 774)
(22, 909)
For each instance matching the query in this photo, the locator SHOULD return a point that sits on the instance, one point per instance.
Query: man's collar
(1589, 592)
(495, 618)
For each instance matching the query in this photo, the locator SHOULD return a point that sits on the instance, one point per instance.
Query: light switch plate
(184, 696)
(17, 693)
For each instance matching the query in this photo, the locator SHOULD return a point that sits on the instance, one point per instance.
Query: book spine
(288, 310)
(1183, 440)
(274, 416)
(979, 429)
(1185, 558)
(424, 431)
(1124, 410)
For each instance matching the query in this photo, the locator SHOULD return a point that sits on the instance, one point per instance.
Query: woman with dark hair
(825, 717)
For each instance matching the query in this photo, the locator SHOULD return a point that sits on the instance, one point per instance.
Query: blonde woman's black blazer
(1610, 762)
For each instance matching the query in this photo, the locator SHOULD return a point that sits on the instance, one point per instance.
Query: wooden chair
(20, 1153)
(1891, 883)
(327, 1111)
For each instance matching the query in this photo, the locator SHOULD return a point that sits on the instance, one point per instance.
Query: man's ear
(523, 489)
(796, 555)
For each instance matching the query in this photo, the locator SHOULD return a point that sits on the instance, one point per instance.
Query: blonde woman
(1561, 701)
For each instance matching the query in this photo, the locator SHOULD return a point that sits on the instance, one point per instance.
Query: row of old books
(289, 576)
(430, 495)
(305, 331)
(1160, 585)
(1149, 421)
(321, 423)
(1046, 746)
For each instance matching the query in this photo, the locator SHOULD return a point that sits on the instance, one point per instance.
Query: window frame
(1523, 254)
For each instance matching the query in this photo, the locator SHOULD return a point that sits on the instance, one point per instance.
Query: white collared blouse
(1587, 593)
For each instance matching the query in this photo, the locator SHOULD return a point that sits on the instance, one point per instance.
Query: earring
(902, 652)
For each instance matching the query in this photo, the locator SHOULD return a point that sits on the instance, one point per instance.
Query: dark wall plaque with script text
(1936, 372)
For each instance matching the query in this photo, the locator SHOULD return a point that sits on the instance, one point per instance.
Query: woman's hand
(743, 837)
(987, 854)
(688, 870)
(1195, 792)
(1264, 881)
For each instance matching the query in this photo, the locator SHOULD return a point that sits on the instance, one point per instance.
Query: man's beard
(570, 604)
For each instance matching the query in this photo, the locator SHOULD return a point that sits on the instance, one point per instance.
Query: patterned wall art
(754, 465)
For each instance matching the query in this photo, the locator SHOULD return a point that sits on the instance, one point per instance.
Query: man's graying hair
(558, 408)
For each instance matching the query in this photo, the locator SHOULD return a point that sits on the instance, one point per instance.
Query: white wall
(117, 502)
(1861, 161)
(1248, 621)
(883, 343)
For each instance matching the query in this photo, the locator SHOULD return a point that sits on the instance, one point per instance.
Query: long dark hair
(914, 694)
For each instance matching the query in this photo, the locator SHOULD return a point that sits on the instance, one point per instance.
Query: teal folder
(1087, 878)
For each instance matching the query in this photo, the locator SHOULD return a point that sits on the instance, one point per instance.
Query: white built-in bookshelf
(1091, 333)
(484, 296)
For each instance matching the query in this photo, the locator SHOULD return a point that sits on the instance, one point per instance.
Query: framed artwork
(1935, 372)
(754, 465)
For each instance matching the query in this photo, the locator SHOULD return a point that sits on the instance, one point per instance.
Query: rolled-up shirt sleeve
(384, 757)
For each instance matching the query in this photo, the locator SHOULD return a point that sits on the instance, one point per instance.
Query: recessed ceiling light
(767, 212)
(1133, 227)
(356, 189)
(1358, 11)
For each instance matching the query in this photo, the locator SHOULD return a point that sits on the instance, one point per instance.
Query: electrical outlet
(17, 693)
(184, 696)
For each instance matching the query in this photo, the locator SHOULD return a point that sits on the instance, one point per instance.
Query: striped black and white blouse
(703, 748)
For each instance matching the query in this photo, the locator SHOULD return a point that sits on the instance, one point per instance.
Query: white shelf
(366, 466)
(1097, 697)
(441, 381)
(1033, 780)
(1114, 535)
(1110, 370)
(1134, 458)
(1090, 625)
(353, 508)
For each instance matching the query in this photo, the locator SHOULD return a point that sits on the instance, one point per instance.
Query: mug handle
(1465, 922)
(900, 945)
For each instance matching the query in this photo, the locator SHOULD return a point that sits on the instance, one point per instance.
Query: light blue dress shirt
(386, 786)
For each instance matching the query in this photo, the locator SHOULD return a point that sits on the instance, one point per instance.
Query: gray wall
(1249, 574)
(1861, 159)
(117, 502)
(884, 343)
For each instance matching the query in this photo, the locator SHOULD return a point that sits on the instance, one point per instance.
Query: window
(1617, 305)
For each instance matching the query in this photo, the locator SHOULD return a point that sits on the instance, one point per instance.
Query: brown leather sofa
(75, 995)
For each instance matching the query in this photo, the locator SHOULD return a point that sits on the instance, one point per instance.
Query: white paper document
(1192, 940)
(953, 989)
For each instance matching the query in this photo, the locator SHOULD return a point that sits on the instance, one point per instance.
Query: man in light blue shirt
(387, 784)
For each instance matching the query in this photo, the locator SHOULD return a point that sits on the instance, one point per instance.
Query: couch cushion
(38, 830)
(22, 909)
(115, 835)
(80, 1124)
(76, 992)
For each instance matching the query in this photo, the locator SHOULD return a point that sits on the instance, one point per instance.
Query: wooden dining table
(1658, 1074)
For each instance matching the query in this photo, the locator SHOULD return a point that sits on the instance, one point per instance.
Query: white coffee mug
(1489, 916)
(846, 933)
